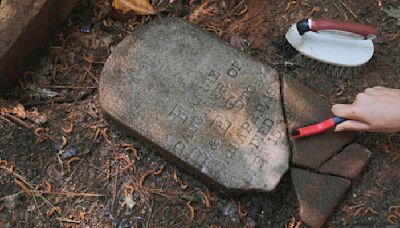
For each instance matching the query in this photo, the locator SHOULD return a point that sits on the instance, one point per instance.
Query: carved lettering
(232, 151)
(234, 70)
(179, 147)
(195, 100)
(221, 124)
(235, 103)
(248, 93)
(260, 109)
(275, 137)
(192, 129)
(259, 162)
(266, 127)
(244, 131)
(179, 114)
(219, 91)
(206, 111)
(256, 140)
(262, 132)
(199, 156)
(210, 79)
(215, 143)
(196, 123)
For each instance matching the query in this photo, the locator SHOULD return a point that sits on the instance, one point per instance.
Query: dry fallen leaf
(140, 7)
(69, 162)
(19, 111)
(48, 186)
(53, 211)
(23, 186)
(36, 117)
(206, 199)
(65, 141)
(39, 137)
(68, 130)
(191, 210)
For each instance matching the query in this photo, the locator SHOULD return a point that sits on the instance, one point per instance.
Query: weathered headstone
(208, 106)
(25, 28)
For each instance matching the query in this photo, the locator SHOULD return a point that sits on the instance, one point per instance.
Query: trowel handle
(316, 128)
(320, 24)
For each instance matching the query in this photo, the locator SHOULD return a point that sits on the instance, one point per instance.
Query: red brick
(304, 107)
(25, 28)
(348, 163)
(318, 195)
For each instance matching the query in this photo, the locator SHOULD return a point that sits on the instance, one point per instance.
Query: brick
(25, 28)
(304, 107)
(348, 163)
(317, 194)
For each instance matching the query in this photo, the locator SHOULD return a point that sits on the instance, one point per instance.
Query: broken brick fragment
(348, 163)
(318, 195)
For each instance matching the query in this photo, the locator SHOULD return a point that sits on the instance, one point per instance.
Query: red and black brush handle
(316, 25)
(316, 128)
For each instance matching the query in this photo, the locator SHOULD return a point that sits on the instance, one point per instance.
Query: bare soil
(77, 170)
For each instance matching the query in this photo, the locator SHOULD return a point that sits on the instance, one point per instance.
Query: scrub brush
(332, 47)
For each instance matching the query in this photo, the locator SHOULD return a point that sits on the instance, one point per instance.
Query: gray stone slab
(209, 107)
(25, 28)
(303, 107)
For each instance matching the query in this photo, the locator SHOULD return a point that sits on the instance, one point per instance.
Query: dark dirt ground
(97, 186)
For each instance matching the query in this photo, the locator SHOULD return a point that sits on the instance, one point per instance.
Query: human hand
(375, 110)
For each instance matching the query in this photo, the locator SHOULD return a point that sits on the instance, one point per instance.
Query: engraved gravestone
(209, 107)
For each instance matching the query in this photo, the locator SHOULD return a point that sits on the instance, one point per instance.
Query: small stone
(86, 28)
(58, 145)
(348, 163)
(231, 211)
(25, 28)
(54, 174)
(12, 201)
(303, 107)
(130, 203)
(249, 223)
(68, 153)
(255, 210)
(238, 42)
(212, 109)
(317, 194)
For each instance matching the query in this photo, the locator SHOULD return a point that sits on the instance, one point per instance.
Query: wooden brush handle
(357, 28)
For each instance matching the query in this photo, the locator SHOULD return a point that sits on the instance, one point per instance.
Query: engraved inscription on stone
(202, 101)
